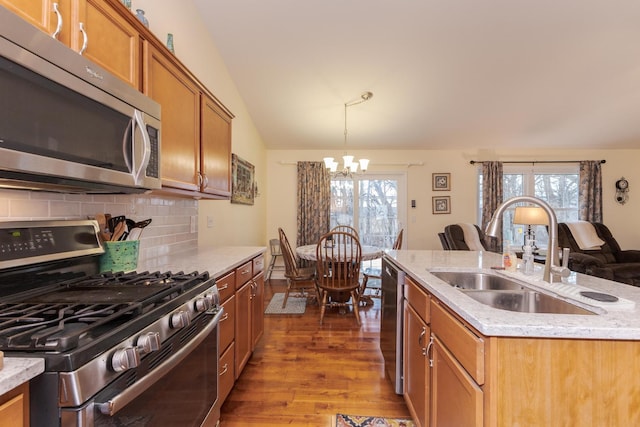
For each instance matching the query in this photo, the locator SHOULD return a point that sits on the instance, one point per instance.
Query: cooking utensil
(136, 231)
(143, 224)
(102, 224)
(114, 221)
(119, 231)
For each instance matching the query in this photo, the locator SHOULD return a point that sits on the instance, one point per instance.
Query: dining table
(369, 253)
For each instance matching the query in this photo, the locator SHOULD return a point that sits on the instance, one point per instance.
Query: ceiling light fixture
(349, 165)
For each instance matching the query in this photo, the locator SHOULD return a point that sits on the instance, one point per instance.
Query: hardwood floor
(302, 374)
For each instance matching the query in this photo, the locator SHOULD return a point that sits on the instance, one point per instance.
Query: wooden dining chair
(346, 229)
(338, 258)
(298, 278)
(376, 273)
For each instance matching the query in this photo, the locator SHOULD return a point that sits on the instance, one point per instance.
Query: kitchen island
(483, 366)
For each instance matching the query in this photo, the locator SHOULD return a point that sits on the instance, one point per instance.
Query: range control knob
(125, 358)
(148, 342)
(179, 320)
(202, 304)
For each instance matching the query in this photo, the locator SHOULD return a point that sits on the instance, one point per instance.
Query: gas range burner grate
(67, 315)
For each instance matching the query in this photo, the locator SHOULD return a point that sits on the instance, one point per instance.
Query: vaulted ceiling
(445, 74)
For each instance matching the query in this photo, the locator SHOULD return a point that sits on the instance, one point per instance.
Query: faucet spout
(552, 270)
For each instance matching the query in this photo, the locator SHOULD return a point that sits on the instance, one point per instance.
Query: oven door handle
(116, 403)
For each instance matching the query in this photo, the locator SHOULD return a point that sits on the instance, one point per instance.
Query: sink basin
(525, 301)
(477, 281)
(506, 294)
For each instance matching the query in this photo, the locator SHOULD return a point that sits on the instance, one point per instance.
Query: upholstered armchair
(465, 237)
(607, 260)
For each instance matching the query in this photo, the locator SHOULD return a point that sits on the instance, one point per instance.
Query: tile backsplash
(174, 220)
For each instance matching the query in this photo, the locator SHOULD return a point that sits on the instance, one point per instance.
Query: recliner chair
(454, 235)
(608, 261)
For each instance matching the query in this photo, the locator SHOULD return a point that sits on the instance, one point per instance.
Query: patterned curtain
(314, 202)
(590, 191)
(491, 198)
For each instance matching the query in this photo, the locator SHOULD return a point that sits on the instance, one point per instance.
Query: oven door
(179, 392)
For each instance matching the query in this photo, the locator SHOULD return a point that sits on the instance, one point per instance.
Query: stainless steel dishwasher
(391, 322)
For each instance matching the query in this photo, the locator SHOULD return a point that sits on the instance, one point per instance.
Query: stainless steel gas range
(120, 349)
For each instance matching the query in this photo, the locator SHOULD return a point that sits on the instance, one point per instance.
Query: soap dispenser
(509, 259)
(527, 257)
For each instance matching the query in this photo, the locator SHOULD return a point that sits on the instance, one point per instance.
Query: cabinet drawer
(226, 374)
(258, 264)
(227, 323)
(243, 273)
(466, 346)
(226, 286)
(418, 299)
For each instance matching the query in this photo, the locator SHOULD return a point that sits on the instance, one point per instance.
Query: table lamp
(530, 216)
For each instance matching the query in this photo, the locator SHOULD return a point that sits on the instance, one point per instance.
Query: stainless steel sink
(477, 281)
(506, 294)
(526, 301)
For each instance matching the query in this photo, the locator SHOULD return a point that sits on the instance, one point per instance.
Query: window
(372, 204)
(557, 184)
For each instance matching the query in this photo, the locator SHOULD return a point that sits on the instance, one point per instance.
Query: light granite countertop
(215, 260)
(620, 320)
(19, 370)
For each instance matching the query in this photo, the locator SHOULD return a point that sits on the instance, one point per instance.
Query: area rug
(360, 421)
(295, 305)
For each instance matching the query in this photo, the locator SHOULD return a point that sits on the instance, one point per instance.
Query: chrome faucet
(553, 272)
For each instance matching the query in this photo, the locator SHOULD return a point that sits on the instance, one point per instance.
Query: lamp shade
(530, 215)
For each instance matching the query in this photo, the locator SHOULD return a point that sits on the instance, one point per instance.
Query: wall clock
(622, 191)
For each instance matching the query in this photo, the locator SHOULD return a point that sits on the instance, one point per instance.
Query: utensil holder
(120, 256)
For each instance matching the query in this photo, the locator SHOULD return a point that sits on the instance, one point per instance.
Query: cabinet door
(112, 42)
(257, 310)
(216, 149)
(41, 13)
(14, 407)
(416, 366)
(228, 323)
(243, 341)
(180, 100)
(456, 399)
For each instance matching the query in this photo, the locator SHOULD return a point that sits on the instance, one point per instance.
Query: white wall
(423, 226)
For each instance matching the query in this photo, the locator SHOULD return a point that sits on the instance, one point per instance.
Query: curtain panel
(590, 191)
(314, 202)
(492, 195)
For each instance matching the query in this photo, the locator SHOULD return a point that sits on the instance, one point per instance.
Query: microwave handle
(138, 169)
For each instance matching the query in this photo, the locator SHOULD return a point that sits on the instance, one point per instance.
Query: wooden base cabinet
(14, 407)
(416, 363)
(456, 399)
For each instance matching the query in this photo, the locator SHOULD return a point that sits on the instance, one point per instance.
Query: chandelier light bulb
(364, 164)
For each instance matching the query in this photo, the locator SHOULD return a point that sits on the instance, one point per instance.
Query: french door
(374, 204)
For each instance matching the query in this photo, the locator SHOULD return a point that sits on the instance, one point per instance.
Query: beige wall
(220, 223)
(422, 226)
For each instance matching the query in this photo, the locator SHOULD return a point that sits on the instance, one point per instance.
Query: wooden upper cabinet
(216, 149)
(111, 41)
(42, 14)
(179, 98)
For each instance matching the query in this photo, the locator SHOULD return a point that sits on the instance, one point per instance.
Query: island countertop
(19, 370)
(620, 320)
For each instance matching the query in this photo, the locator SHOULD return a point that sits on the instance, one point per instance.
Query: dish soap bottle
(509, 260)
(527, 258)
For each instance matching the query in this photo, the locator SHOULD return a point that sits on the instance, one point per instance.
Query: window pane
(341, 202)
(378, 212)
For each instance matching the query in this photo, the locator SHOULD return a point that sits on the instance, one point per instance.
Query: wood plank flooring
(302, 374)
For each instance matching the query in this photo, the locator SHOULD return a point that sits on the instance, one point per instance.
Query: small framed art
(441, 181)
(242, 181)
(441, 204)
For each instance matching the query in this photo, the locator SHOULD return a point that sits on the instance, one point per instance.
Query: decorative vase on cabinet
(142, 18)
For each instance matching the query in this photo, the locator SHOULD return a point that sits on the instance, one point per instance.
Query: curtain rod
(473, 162)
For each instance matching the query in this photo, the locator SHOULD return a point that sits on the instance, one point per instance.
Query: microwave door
(136, 148)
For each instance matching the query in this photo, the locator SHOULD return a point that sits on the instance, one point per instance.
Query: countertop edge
(19, 370)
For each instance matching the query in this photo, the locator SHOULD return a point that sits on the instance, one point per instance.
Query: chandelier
(349, 166)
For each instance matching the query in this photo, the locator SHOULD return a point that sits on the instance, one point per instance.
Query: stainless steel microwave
(68, 125)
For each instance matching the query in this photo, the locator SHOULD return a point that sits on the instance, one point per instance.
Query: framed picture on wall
(441, 181)
(442, 204)
(242, 185)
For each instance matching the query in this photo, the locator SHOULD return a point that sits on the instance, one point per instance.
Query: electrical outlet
(193, 224)
(209, 222)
